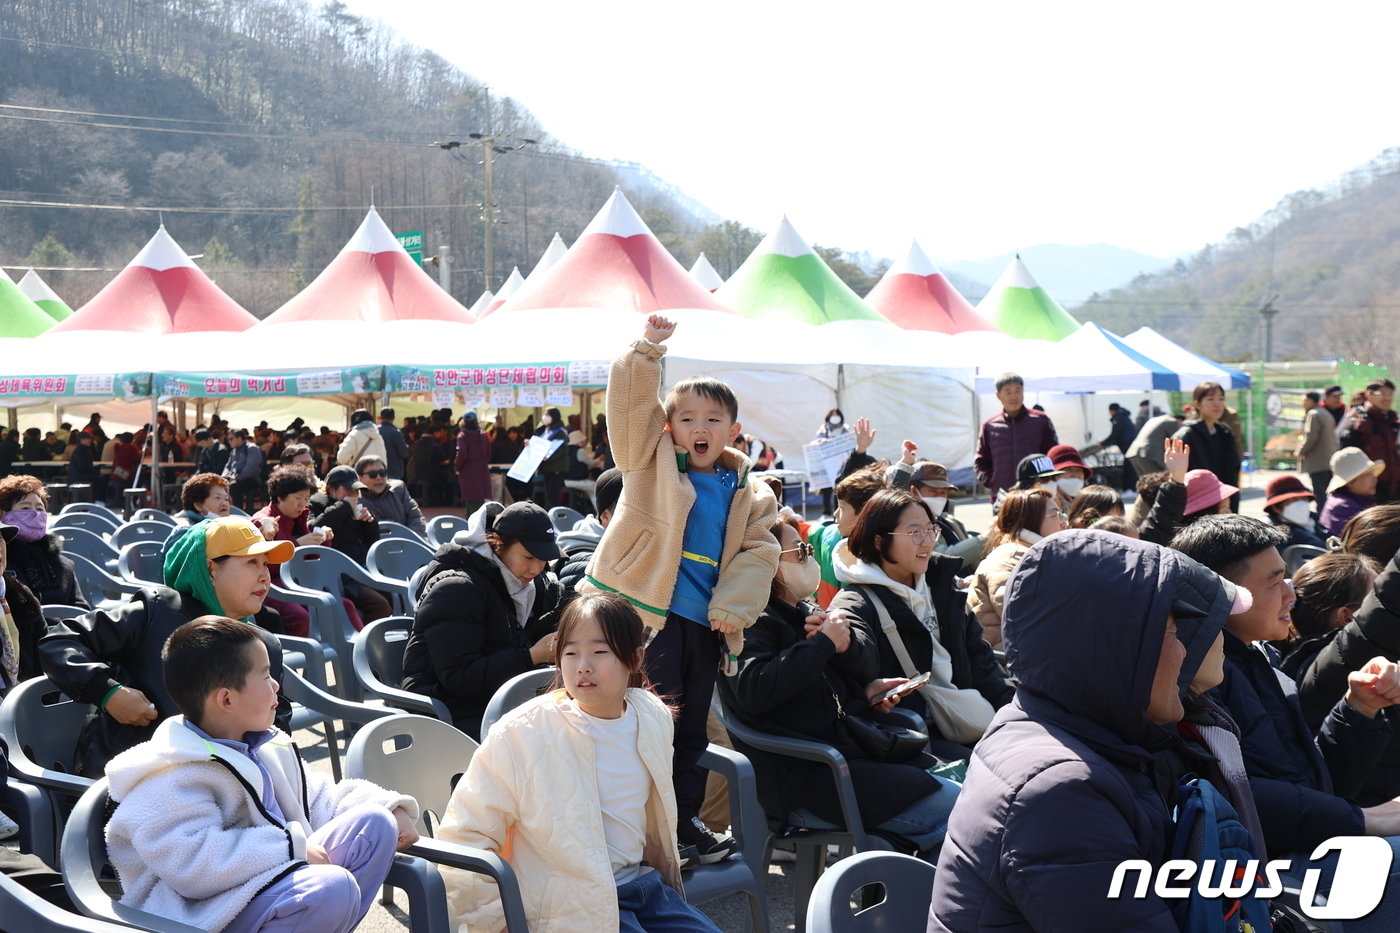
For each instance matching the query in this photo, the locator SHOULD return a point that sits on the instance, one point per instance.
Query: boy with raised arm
(689, 546)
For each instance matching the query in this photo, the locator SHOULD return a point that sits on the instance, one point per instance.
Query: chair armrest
(748, 822)
(483, 863)
(299, 690)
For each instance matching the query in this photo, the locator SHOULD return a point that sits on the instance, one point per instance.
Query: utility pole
(488, 207)
(444, 258)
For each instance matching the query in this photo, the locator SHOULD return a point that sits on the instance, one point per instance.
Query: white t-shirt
(623, 787)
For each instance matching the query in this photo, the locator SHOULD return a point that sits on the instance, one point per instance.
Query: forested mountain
(264, 129)
(1328, 259)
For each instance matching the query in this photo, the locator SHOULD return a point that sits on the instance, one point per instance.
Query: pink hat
(1204, 490)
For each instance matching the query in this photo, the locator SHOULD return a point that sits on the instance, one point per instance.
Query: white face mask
(1298, 512)
(936, 504)
(1070, 485)
(547, 419)
(800, 579)
(834, 421)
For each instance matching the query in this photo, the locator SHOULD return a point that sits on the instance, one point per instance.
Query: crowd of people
(1025, 705)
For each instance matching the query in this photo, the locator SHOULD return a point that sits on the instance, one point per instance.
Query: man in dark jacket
(1102, 635)
(1374, 428)
(1302, 784)
(1011, 434)
(210, 455)
(395, 447)
(1121, 433)
(354, 530)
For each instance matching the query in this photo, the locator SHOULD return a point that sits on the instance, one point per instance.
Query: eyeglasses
(375, 474)
(803, 549)
(927, 533)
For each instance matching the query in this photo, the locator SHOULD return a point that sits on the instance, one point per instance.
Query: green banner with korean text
(126, 386)
(356, 381)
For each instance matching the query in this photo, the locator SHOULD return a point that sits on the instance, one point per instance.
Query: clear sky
(978, 127)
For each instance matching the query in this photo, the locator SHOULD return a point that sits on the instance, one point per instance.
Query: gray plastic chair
(564, 518)
(1296, 555)
(402, 532)
(141, 531)
(702, 883)
(443, 527)
(378, 661)
(314, 706)
(425, 758)
(903, 884)
(810, 847)
(99, 523)
(95, 508)
(100, 588)
(40, 726)
(27, 911)
(90, 545)
(397, 558)
(153, 515)
(142, 562)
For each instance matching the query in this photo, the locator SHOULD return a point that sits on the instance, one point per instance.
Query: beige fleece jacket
(986, 597)
(640, 554)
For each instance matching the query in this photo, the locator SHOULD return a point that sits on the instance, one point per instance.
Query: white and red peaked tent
(552, 253)
(161, 291)
(512, 284)
(616, 263)
(478, 308)
(705, 274)
(372, 279)
(916, 296)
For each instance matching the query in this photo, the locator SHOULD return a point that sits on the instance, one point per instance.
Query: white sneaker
(8, 827)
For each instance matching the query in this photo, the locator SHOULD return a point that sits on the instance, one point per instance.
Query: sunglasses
(803, 549)
(375, 474)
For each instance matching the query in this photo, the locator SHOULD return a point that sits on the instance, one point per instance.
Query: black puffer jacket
(1322, 673)
(787, 684)
(974, 665)
(88, 656)
(41, 566)
(29, 620)
(467, 640)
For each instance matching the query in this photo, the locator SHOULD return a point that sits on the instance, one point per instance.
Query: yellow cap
(238, 537)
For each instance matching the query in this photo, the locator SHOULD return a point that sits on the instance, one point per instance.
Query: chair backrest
(25, 910)
(388, 529)
(142, 562)
(397, 558)
(1296, 555)
(141, 531)
(377, 653)
(903, 886)
(153, 515)
(316, 567)
(99, 523)
(443, 527)
(96, 584)
(41, 726)
(95, 508)
(415, 585)
(415, 755)
(564, 518)
(84, 863)
(57, 612)
(515, 691)
(89, 544)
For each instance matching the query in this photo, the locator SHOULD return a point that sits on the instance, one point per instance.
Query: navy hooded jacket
(1063, 787)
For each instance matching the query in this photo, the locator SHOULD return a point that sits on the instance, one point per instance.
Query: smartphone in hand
(902, 690)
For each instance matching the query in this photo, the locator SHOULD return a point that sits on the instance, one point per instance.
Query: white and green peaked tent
(38, 291)
(1021, 307)
(784, 280)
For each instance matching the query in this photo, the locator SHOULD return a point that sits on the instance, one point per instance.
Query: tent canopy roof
(916, 296)
(1021, 307)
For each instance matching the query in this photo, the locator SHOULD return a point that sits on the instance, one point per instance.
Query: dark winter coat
(974, 664)
(1300, 783)
(88, 656)
(1065, 784)
(1212, 451)
(1321, 675)
(41, 566)
(1005, 440)
(82, 465)
(350, 536)
(466, 639)
(1375, 433)
(29, 621)
(788, 684)
(395, 449)
(1167, 511)
(1122, 433)
(473, 464)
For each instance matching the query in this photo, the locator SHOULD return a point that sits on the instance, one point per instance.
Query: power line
(121, 116)
(216, 133)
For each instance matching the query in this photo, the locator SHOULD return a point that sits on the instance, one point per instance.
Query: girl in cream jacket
(573, 789)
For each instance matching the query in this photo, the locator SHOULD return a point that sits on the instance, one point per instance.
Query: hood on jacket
(849, 569)
(174, 744)
(1084, 619)
(584, 536)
